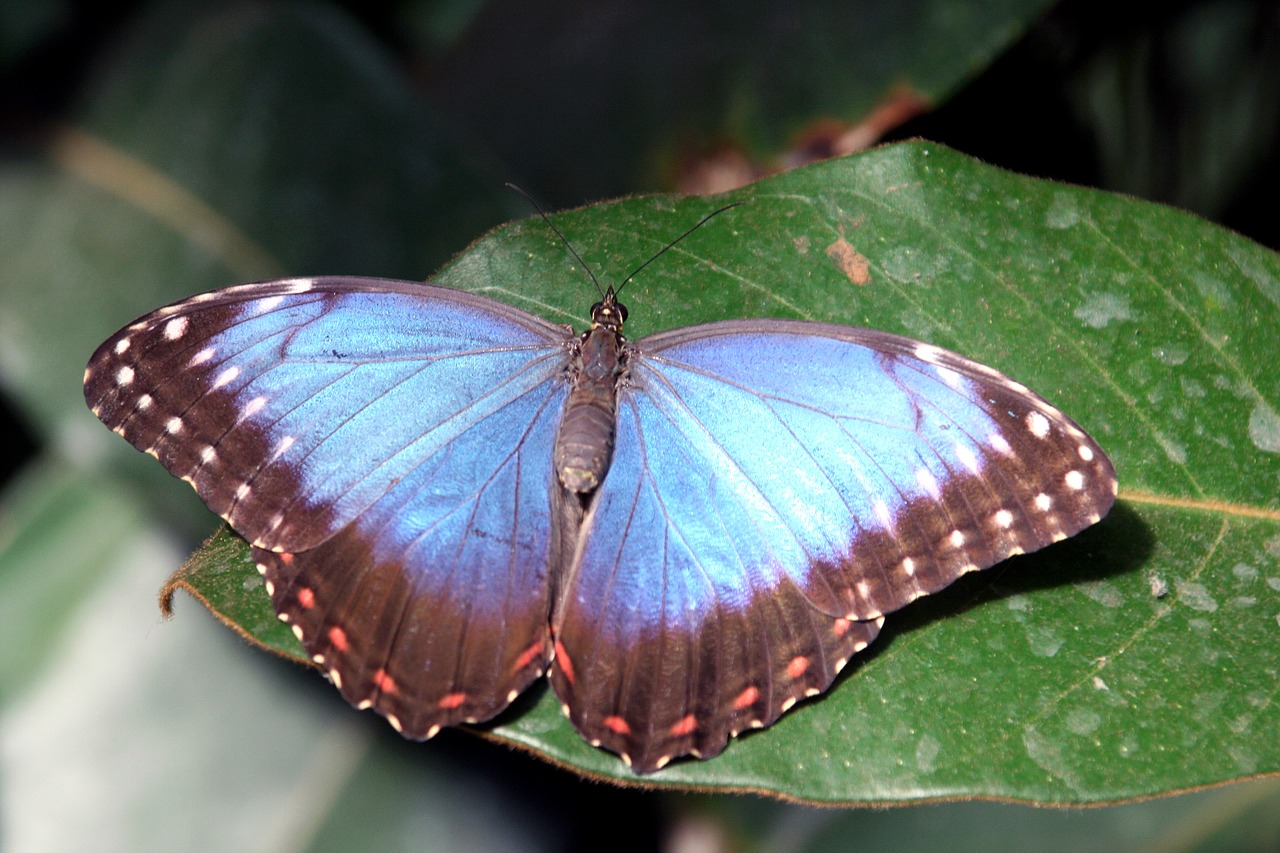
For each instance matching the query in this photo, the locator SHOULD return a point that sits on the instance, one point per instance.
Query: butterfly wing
(386, 448)
(776, 488)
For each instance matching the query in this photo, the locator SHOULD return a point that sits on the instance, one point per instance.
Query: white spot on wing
(949, 376)
(1086, 453)
(173, 426)
(1075, 480)
(282, 447)
(122, 345)
(144, 402)
(957, 539)
(253, 407)
(269, 304)
(967, 458)
(226, 376)
(928, 482)
(1004, 518)
(201, 357)
(1043, 502)
(883, 514)
(1038, 424)
(928, 352)
(124, 375)
(175, 328)
(997, 441)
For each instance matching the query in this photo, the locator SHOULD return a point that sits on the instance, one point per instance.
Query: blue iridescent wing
(776, 488)
(386, 448)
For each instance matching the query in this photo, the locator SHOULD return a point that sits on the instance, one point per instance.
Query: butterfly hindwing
(386, 448)
(776, 488)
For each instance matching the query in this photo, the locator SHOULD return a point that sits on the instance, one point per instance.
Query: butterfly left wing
(386, 448)
(776, 488)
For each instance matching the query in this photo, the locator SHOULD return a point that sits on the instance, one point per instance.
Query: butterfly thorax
(584, 445)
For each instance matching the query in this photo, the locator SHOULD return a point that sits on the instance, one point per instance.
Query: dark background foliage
(1175, 102)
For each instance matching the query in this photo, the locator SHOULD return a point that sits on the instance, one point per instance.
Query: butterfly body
(449, 497)
(584, 444)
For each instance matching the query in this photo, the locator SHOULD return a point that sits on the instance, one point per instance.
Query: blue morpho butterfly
(449, 496)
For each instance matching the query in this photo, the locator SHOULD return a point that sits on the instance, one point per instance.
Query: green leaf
(1135, 659)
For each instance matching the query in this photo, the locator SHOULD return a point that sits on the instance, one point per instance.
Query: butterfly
(450, 497)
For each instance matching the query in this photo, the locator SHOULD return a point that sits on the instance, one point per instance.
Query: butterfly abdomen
(584, 445)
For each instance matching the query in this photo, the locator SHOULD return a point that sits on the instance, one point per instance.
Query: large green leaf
(1138, 658)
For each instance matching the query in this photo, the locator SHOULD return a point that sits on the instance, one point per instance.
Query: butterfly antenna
(663, 251)
(563, 239)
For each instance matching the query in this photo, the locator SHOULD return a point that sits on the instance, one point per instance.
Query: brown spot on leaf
(851, 262)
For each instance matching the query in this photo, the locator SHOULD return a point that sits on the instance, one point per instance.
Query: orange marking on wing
(797, 667)
(746, 698)
(528, 656)
(840, 627)
(562, 658)
(453, 700)
(338, 638)
(286, 558)
(617, 725)
(687, 725)
(385, 682)
(307, 597)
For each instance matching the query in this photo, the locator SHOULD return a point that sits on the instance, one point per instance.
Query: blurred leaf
(246, 142)
(1135, 659)
(57, 530)
(1241, 818)
(1183, 105)
(23, 25)
(614, 97)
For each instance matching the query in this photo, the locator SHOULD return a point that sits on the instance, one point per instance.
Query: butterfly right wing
(386, 449)
(776, 488)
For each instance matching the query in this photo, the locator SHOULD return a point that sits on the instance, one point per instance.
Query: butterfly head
(609, 313)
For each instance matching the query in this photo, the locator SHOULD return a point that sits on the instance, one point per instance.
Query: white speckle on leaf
(1264, 428)
(1192, 388)
(1196, 597)
(1244, 572)
(927, 753)
(1103, 592)
(1082, 721)
(1176, 452)
(1044, 641)
(1103, 308)
(1212, 289)
(1047, 753)
(1063, 212)
(1171, 355)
